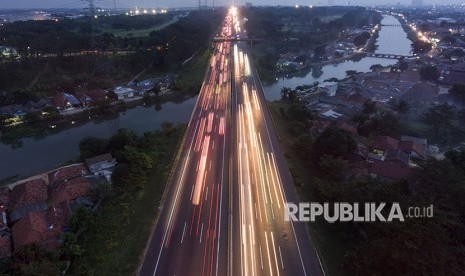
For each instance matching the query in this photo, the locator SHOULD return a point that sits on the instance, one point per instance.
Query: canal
(391, 40)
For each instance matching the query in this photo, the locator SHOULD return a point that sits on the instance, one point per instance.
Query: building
(27, 197)
(35, 228)
(123, 92)
(101, 165)
(67, 191)
(65, 101)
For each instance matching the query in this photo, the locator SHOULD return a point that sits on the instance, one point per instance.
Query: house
(97, 94)
(381, 146)
(65, 101)
(384, 143)
(397, 156)
(415, 147)
(67, 191)
(68, 173)
(34, 228)
(28, 197)
(101, 164)
(84, 99)
(123, 92)
(422, 92)
(28, 193)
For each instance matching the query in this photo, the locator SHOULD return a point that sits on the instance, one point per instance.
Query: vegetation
(416, 246)
(98, 241)
(118, 59)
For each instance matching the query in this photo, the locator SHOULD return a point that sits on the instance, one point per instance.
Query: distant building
(123, 92)
(6, 51)
(65, 101)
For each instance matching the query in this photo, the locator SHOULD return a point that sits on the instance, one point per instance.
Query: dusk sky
(190, 3)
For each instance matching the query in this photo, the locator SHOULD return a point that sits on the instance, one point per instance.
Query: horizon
(130, 4)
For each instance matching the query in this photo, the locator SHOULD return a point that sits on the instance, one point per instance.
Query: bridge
(391, 25)
(388, 56)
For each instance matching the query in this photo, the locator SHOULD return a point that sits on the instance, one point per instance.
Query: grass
(331, 247)
(193, 72)
(116, 242)
(141, 32)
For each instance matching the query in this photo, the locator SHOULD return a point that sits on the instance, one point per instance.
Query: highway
(265, 243)
(223, 211)
(190, 237)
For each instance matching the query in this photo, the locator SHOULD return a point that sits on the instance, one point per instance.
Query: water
(391, 40)
(42, 154)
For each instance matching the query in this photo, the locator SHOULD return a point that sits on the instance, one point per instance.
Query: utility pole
(91, 7)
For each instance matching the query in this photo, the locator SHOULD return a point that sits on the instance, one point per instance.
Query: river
(37, 155)
(391, 40)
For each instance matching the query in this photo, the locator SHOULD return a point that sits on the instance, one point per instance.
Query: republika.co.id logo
(345, 212)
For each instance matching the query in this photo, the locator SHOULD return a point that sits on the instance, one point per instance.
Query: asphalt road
(223, 213)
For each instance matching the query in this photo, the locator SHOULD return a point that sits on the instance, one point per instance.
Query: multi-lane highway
(223, 212)
(190, 237)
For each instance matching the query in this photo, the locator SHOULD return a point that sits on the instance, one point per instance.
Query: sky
(8, 4)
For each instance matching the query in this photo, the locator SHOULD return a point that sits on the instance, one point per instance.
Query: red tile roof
(69, 190)
(67, 173)
(411, 146)
(390, 170)
(97, 95)
(98, 159)
(385, 143)
(33, 228)
(28, 193)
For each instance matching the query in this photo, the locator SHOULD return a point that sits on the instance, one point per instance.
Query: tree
(285, 92)
(70, 248)
(332, 168)
(376, 67)
(299, 112)
(34, 260)
(335, 142)
(351, 73)
(439, 115)
(361, 39)
(458, 91)
(369, 107)
(167, 128)
(430, 73)
(420, 46)
(319, 51)
(401, 106)
(91, 146)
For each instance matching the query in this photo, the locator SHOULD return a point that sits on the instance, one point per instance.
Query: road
(224, 208)
(268, 245)
(190, 237)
